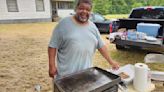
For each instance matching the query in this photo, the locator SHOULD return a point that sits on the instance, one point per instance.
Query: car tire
(120, 47)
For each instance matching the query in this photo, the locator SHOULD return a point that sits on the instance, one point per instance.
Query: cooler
(148, 28)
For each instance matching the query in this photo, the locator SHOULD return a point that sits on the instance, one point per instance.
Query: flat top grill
(92, 79)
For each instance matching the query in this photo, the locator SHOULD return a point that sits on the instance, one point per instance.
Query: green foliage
(101, 7)
(122, 6)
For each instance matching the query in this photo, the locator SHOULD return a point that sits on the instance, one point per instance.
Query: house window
(39, 5)
(65, 5)
(12, 5)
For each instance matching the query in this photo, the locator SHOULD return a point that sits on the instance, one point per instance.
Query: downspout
(51, 9)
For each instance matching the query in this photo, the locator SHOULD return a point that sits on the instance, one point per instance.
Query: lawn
(115, 16)
(24, 60)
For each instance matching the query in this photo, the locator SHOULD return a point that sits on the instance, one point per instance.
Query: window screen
(39, 5)
(65, 5)
(12, 5)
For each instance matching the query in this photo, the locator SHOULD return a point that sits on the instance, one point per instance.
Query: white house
(62, 8)
(14, 11)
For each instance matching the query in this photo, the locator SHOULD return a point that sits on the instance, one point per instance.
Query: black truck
(147, 15)
(101, 23)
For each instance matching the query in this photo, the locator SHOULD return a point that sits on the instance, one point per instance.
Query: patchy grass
(23, 57)
(24, 60)
(116, 16)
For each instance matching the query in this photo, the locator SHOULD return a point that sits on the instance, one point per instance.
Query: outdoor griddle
(90, 80)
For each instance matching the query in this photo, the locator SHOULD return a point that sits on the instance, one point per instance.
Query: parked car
(101, 23)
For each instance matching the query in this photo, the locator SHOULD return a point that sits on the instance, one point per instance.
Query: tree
(101, 6)
(122, 6)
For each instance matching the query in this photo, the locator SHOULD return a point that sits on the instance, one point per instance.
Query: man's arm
(104, 53)
(52, 67)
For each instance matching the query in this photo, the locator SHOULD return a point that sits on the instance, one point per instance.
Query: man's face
(83, 12)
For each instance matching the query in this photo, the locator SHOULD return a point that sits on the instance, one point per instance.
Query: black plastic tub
(90, 80)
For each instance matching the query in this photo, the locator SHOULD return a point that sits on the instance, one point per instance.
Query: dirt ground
(23, 57)
(24, 60)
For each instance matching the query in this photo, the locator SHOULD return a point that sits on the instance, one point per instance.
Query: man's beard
(80, 19)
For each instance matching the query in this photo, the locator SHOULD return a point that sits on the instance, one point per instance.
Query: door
(54, 9)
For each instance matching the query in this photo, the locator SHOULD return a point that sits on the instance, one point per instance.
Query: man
(74, 42)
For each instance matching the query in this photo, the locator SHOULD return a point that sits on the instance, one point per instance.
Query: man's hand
(103, 51)
(52, 72)
(115, 65)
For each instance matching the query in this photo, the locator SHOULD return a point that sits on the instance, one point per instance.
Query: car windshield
(148, 14)
(99, 17)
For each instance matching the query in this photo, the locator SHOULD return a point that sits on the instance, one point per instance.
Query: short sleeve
(100, 41)
(56, 38)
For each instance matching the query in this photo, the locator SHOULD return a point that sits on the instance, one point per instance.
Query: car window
(99, 17)
(148, 14)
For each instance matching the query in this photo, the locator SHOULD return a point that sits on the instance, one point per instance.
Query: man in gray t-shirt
(74, 42)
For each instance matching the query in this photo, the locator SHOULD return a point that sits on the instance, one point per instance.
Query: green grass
(115, 16)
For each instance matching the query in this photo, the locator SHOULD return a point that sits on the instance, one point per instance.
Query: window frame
(16, 3)
(37, 8)
(65, 5)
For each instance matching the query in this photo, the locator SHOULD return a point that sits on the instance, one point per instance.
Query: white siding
(64, 12)
(27, 10)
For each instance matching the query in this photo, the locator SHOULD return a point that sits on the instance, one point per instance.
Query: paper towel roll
(140, 81)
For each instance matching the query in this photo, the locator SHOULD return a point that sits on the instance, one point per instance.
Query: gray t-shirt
(76, 45)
